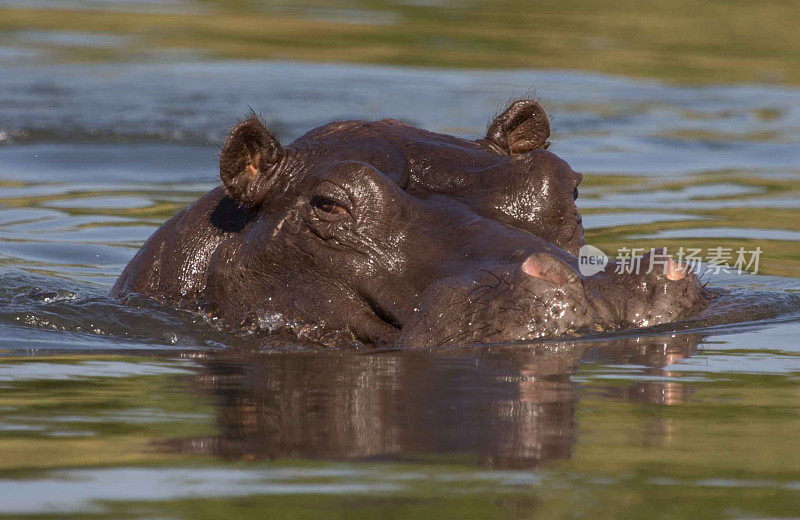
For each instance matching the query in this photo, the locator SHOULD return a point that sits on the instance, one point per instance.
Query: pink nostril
(532, 267)
(549, 268)
(675, 270)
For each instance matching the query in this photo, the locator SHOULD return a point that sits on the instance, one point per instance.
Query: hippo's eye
(327, 206)
(575, 193)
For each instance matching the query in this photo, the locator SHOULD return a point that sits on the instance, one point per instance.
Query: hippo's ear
(522, 127)
(249, 160)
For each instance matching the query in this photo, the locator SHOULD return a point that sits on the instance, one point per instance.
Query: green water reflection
(684, 40)
(499, 433)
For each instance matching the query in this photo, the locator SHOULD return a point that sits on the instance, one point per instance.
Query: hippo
(384, 234)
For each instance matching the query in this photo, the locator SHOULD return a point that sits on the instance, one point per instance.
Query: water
(144, 411)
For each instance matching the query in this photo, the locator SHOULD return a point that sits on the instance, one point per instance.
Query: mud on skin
(385, 234)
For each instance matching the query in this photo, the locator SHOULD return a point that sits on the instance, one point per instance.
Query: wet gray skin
(385, 234)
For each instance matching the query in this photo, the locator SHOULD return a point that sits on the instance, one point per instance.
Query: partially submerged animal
(387, 234)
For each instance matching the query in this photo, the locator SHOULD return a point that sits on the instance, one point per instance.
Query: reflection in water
(505, 407)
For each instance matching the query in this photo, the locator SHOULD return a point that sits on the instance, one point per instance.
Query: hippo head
(397, 235)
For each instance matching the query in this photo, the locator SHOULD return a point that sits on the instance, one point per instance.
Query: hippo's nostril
(547, 267)
(532, 268)
(675, 270)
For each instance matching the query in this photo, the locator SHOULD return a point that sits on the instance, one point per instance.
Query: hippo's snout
(545, 296)
(651, 290)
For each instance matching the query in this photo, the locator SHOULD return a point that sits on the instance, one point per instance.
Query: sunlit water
(143, 411)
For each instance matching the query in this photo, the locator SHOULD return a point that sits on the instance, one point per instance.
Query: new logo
(591, 260)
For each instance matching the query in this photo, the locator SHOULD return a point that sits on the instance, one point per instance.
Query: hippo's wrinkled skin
(391, 235)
